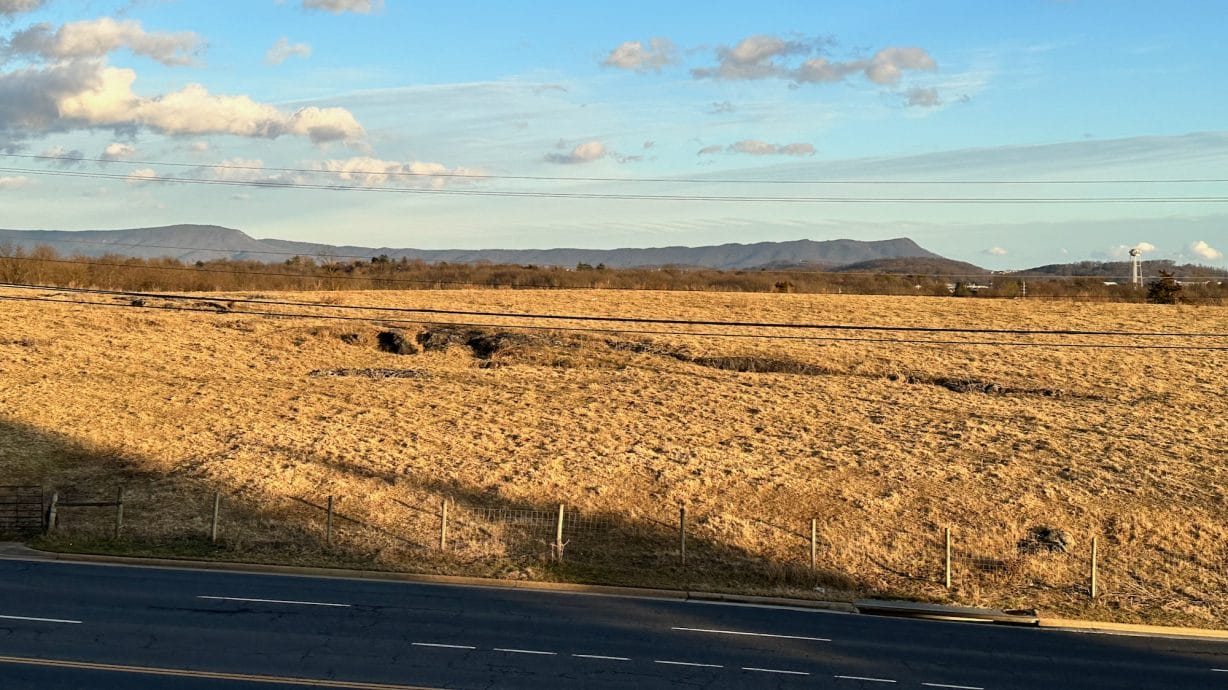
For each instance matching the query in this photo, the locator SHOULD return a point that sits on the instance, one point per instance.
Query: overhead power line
(654, 180)
(628, 319)
(626, 331)
(278, 184)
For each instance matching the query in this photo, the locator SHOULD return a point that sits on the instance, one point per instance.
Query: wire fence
(834, 557)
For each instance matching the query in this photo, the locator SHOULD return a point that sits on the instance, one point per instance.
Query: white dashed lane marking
(753, 634)
(277, 601)
(442, 646)
(775, 670)
(686, 663)
(867, 680)
(600, 657)
(525, 651)
(952, 687)
(39, 620)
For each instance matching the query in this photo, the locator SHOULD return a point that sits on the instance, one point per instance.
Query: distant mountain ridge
(206, 242)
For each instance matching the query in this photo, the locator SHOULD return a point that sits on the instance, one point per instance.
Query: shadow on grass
(169, 514)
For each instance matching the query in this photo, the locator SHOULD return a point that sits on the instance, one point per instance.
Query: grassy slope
(182, 403)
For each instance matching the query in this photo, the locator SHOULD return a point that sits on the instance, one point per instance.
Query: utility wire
(624, 331)
(627, 319)
(277, 184)
(655, 180)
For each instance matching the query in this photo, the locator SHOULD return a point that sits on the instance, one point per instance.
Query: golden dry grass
(1129, 449)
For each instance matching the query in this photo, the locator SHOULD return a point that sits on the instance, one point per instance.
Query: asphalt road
(65, 625)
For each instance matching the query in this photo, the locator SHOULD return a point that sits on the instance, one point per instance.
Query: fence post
(948, 558)
(328, 525)
(558, 536)
(217, 505)
(1095, 583)
(682, 534)
(119, 511)
(443, 525)
(51, 511)
(814, 544)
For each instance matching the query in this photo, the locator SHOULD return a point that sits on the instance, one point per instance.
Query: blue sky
(690, 95)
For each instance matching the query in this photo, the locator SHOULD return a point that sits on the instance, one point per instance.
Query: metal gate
(21, 508)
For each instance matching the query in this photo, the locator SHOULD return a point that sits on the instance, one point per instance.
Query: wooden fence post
(814, 544)
(682, 534)
(948, 558)
(1095, 583)
(443, 525)
(217, 505)
(558, 536)
(119, 511)
(51, 511)
(328, 525)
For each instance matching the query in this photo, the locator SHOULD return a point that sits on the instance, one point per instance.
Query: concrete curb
(837, 606)
(1132, 629)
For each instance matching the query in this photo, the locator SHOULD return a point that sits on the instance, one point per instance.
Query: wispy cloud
(586, 152)
(283, 50)
(9, 8)
(638, 57)
(754, 147)
(97, 37)
(341, 6)
(772, 57)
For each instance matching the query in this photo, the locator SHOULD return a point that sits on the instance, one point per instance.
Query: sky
(1005, 134)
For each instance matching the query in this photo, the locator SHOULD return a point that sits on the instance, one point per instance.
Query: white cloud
(375, 172)
(768, 57)
(89, 94)
(1205, 251)
(339, 6)
(14, 182)
(633, 55)
(755, 147)
(587, 152)
(8, 8)
(709, 150)
(918, 97)
(199, 146)
(97, 37)
(995, 251)
(141, 175)
(65, 158)
(1121, 252)
(116, 151)
(283, 49)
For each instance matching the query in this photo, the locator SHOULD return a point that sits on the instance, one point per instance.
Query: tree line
(43, 265)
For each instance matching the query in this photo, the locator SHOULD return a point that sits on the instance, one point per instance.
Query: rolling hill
(206, 242)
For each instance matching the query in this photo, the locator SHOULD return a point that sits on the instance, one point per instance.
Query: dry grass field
(885, 445)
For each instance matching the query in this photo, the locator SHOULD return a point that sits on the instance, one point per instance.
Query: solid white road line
(276, 601)
(775, 670)
(868, 680)
(753, 634)
(953, 687)
(603, 658)
(39, 620)
(686, 663)
(524, 651)
(1220, 670)
(441, 646)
